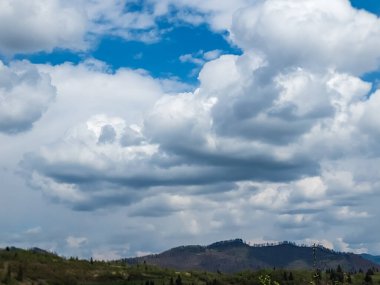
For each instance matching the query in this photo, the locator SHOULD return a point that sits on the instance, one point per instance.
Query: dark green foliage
(291, 276)
(20, 273)
(370, 272)
(285, 276)
(178, 281)
(8, 275)
(349, 279)
(368, 279)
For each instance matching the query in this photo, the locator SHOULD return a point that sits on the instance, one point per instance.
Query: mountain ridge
(235, 255)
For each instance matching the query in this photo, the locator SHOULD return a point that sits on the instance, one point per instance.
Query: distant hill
(235, 255)
(373, 258)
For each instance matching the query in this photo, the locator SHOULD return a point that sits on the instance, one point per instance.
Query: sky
(128, 127)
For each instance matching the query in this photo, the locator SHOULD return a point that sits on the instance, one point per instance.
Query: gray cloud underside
(254, 117)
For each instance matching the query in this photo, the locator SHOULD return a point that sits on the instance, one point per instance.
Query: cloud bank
(287, 132)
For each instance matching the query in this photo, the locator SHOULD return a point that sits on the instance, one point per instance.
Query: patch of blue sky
(58, 56)
(162, 58)
(135, 6)
(374, 78)
(372, 6)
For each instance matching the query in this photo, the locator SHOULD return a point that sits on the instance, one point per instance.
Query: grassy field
(42, 268)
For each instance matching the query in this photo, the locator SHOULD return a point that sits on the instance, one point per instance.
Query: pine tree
(290, 276)
(339, 274)
(178, 281)
(285, 276)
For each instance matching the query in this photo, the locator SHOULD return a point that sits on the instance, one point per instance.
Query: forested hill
(235, 255)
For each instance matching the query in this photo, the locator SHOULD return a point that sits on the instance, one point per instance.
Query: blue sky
(181, 39)
(129, 127)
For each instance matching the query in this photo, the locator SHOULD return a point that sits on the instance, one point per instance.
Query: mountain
(373, 258)
(235, 255)
(37, 266)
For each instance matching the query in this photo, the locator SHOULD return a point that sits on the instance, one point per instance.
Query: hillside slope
(373, 258)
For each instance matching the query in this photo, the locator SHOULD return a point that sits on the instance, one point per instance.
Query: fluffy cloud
(310, 34)
(44, 25)
(25, 94)
(40, 25)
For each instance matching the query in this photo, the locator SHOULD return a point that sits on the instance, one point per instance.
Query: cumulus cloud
(25, 94)
(310, 34)
(244, 122)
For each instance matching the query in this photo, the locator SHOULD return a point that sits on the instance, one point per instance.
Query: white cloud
(25, 94)
(45, 25)
(242, 123)
(316, 35)
(33, 231)
(200, 57)
(40, 25)
(112, 18)
(212, 54)
(341, 245)
(76, 242)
